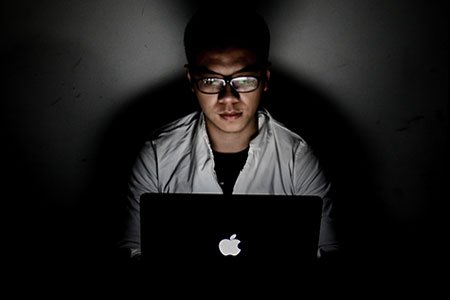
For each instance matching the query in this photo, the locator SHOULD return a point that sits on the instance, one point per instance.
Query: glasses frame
(228, 80)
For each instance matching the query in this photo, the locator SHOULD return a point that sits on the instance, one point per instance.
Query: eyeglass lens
(240, 84)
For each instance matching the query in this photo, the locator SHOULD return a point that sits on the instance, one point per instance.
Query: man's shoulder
(281, 131)
(177, 127)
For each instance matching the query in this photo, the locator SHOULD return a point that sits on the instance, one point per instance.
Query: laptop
(220, 237)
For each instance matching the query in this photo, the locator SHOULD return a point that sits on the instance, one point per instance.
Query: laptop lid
(217, 235)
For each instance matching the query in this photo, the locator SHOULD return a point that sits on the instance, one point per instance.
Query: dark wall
(366, 82)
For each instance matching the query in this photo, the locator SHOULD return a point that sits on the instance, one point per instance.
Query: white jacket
(179, 159)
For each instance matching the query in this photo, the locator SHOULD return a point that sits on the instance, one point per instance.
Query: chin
(231, 127)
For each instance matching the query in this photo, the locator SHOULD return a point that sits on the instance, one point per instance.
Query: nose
(228, 94)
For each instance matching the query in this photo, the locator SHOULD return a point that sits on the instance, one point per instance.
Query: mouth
(230, 116)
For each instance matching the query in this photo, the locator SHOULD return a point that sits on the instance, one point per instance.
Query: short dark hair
(220, 29)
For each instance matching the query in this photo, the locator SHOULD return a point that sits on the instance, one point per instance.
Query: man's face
(228, 111)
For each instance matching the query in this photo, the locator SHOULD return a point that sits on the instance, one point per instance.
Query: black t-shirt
(227, 167)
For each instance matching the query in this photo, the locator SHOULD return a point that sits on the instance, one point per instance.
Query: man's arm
(310, 179)
(143, 179)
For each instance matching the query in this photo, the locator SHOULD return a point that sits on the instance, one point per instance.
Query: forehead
(226, 61)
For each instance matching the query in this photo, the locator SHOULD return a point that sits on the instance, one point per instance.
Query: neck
(229, 144)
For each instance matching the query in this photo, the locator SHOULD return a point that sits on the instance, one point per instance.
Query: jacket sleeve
(310, 179)
(143, 179)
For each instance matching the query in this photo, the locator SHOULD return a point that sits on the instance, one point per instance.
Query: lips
(229, 116)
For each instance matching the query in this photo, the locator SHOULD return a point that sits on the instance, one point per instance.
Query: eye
(247, 82)
(211, 82)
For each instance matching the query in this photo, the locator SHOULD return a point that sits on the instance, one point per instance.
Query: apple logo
(229, 246)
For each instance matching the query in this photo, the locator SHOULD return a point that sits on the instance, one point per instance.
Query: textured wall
(76, 74)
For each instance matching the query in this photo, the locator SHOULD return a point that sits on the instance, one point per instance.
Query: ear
(266, 82)
(188, 76)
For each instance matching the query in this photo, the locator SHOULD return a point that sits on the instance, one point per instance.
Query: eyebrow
(205, 70)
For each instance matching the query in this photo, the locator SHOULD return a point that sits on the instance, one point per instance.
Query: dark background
(85, 82)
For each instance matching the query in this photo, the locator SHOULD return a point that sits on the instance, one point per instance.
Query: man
(231, 145)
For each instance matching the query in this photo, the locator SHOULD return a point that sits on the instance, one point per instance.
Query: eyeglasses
(242, 84)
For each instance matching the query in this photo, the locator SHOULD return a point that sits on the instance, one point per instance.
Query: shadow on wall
(299, 106)
(118, 150)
